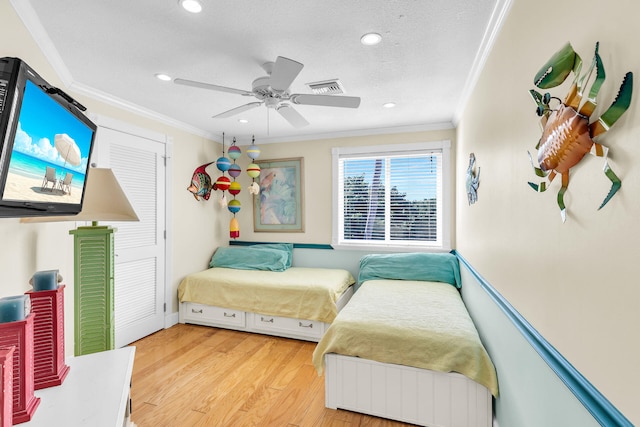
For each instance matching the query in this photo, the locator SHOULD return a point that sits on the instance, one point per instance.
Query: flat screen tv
(45, 145)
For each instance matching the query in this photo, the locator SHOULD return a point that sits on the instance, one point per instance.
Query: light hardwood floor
(191, 375)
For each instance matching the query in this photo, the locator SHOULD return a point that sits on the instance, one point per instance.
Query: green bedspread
(298, 292)
(412, 323)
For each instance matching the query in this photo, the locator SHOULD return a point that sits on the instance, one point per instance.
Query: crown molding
(498, 17)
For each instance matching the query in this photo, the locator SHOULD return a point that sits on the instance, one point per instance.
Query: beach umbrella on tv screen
(67, 148)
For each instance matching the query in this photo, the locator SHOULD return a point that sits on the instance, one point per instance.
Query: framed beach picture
(279, 206)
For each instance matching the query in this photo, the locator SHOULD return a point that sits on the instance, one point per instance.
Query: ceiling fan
(272, 90)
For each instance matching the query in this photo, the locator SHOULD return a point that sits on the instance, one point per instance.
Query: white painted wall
(576, 282)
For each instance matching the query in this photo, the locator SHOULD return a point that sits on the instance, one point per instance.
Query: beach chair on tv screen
(65, 184)
(49, 177)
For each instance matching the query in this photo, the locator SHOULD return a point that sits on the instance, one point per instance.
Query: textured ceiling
(430, 52)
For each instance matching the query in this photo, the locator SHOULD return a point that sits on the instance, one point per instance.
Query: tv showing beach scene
(50, 152)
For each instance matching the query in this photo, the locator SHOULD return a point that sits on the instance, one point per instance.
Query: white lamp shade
(104, 200)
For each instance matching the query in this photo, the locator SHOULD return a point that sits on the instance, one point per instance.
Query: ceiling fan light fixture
(163, 77)
(243, 121)
(192, 6)
(370, 39)
(389, 104)
(272, 91)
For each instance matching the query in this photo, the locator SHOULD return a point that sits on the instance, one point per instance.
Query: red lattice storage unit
(20, 335)
(49, 368)
(6, 386)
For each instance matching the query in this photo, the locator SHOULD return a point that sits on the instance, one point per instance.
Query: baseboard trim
(171, 319)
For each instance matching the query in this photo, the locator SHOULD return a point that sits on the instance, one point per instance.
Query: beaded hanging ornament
(223, 182)
(253, 170)
(234, 189)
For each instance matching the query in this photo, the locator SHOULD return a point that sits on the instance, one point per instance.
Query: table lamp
(104, 200)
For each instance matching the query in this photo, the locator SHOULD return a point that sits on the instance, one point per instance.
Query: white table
(95, 393)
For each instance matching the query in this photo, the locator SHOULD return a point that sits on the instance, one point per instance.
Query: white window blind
(391, 196)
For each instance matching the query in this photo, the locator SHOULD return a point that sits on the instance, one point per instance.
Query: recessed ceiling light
(370, 39)
(389, 104)
(243, 120)
(163, 77)
(193, 6)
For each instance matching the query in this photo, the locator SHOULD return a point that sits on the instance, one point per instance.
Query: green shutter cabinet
(93, 289)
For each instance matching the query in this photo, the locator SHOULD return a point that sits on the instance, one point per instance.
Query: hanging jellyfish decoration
(234, 189)
(200, 183)
(253, 170)
(222, 183)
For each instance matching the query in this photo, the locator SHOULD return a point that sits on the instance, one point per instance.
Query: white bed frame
(406, 394)
(220, 317)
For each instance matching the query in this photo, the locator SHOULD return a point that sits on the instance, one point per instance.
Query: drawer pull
(229, 315)
(262, 319)
(193, 310)
(310, 325)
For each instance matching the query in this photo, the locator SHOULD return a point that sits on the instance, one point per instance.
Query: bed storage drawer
(204, 313)
(276, 324)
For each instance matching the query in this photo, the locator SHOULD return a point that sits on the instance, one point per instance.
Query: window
(392, 196)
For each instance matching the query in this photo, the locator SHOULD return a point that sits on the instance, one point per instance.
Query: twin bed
(255, 289)
(404, 347)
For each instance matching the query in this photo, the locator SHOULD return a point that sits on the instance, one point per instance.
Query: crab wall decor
(473, 180)
(567, 129)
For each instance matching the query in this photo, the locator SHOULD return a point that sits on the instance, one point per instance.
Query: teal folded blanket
(432, 267)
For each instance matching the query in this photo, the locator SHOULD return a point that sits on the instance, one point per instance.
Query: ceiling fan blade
(292, 116)
(326, 100)
(237, 110)
(284, 72)
(211, 87)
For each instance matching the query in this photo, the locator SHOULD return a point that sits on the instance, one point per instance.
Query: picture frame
(279, 206)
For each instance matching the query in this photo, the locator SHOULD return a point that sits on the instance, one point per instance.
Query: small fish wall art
(568, 130)
(473, 180)
(200, 185)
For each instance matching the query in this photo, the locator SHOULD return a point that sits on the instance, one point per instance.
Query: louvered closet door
(138, 164)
